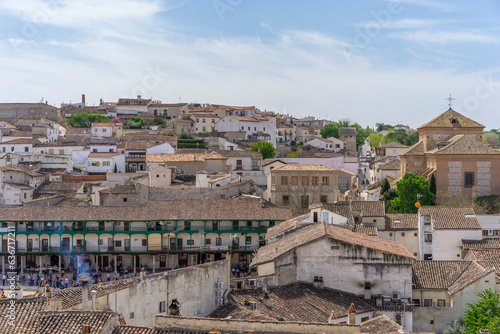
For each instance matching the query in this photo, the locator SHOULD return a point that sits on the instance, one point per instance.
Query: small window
(26, 149)
(305, 180)
(441, 303)
(427, 302)
(415, 234)
(326, 180)
(390, 234)
(248, 240)
(469, 180)
(157, 175)
(403, 234)
(132, 315)
(118, 243)
(161, 307)
(190, 242)
(428, 237)
(304, 201)
(208, 241)
(286, 199)
(125, 199)
(144, 242)
(365, 319)
(218, 242)
(314, 180)
(368, 285)
(295, 180)
(323, 198)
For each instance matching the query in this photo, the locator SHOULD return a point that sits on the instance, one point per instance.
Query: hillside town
(139, 216)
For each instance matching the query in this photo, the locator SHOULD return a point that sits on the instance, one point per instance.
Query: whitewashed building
(254, 126)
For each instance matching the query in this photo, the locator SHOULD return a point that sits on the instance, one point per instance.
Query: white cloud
(444, 37)
(437, 5)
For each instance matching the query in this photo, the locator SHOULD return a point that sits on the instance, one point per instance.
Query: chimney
(321, 284)
(85, 292)
(351, 315)
(83, 99)
(100, 101)
(93, 293)
(85, 329)
(138, 97)
(266, 301)
(46, 102)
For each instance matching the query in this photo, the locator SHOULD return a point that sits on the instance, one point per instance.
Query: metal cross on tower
(449, 99)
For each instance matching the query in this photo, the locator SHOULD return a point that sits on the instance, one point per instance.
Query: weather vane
(449, 99)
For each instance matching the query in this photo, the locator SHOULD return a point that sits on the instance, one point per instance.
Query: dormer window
(454, 121)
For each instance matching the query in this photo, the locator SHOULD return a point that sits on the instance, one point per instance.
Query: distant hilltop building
(450, 147)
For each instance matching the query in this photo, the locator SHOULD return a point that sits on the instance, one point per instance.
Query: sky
(370, 61)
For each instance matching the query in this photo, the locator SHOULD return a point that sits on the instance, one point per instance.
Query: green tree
(85, 120)
(330, 130)
(116, 169)
(483, 314)
(381, 127)
(407, 189)
(159, 121)
(361, 134)
(456, 327)
(432, 185)
(491, 138)
(266, 149)
(375, 139)
(385, 186)
(135, 122)
(186, 135)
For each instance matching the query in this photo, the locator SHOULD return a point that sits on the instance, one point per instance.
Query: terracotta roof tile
(381, 325)
(449, 217)
(446, 275)
(492, 243)
(391, 165)
(27, 315)
(288, 226)
(191, 156)
(366, 229)
(293, 302)
(393, 145)
(462, 144)
(417, 149)
(489, 258)
(304, 167)
(443, 121)
(401, 221)
(369, 208)
(71, 322)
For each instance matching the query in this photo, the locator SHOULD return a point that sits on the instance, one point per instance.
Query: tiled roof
(246, 119)
(417, 149)
(393, 145)
(141, 144)
(73, 296)
(401, 221)
(366, 229)
(240, 208)
(392, 180)
(451, 217)
(391, 165)
(141, 136)
(19, 185)
(446, 275)
(183, 120)
(269, 252)
(21, 169)
(65, 186)
(293, 302)
(444, 121)
(489, 258)
(102, 124)
(133, 102)
(348, 131)
(304, 167)
(481, 244)
(381, 325)
(120, 190)
(70, 322)
(462, 144)
(18, 133)
(27, 315)
(6, 125)
(288, 226)
(340, 208)
(21, 141)
(369, 208)
(192, 156)
(167, 105)
(238, 153)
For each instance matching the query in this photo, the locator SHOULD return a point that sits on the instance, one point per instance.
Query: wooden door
(65, 244)
(183, 260)
(45, 245)
(30, 245)
(236, 243)
(172, 244)
(127, 245)
(163, 261)
(179, 245)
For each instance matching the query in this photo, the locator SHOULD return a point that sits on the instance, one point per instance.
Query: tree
(186, 135)
(85, 120)
(432, 185)
(385, 186)
(159, 121)
(135, 122)
(407, 189)
(491, 138)
(330, 130)
(382, 127)
(116, 169)
(456, 327)
(483, 314)
(361, 135)
(265, 148)
(375, 139)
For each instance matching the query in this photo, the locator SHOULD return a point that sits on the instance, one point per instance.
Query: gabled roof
(490, 243)
(417, 149)
(239, 153)
(341, 208)
(184, 157)
(120, 189)
(71, 322)
(381, 325)
(369, 208)
(21, 169)
(391, 165)
(444, 121)
(288, 226)
(271, 251)
(393, 145)
(446, 275)
(489, 258)
(350, 131)
(366, 229)
(401, 221)
(451, 217)
(293, 302)
(462, 144)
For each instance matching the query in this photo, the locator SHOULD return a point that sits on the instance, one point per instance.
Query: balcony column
(78, 264)
(154, 264)
(22, 264)
(3, 265)
(115, 265)
(59, 264)
(40, 265)
(133, 260)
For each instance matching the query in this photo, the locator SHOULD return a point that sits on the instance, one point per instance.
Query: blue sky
(370, 61)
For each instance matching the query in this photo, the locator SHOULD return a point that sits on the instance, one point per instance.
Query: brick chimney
(351, 315)
(83, 99)
(85, 329)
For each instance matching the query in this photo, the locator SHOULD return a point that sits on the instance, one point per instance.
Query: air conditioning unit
(220, 285)
(252, 282)
(252, 305)
(220, 293)
(399, 318)
(219, 301)
(396, 296)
